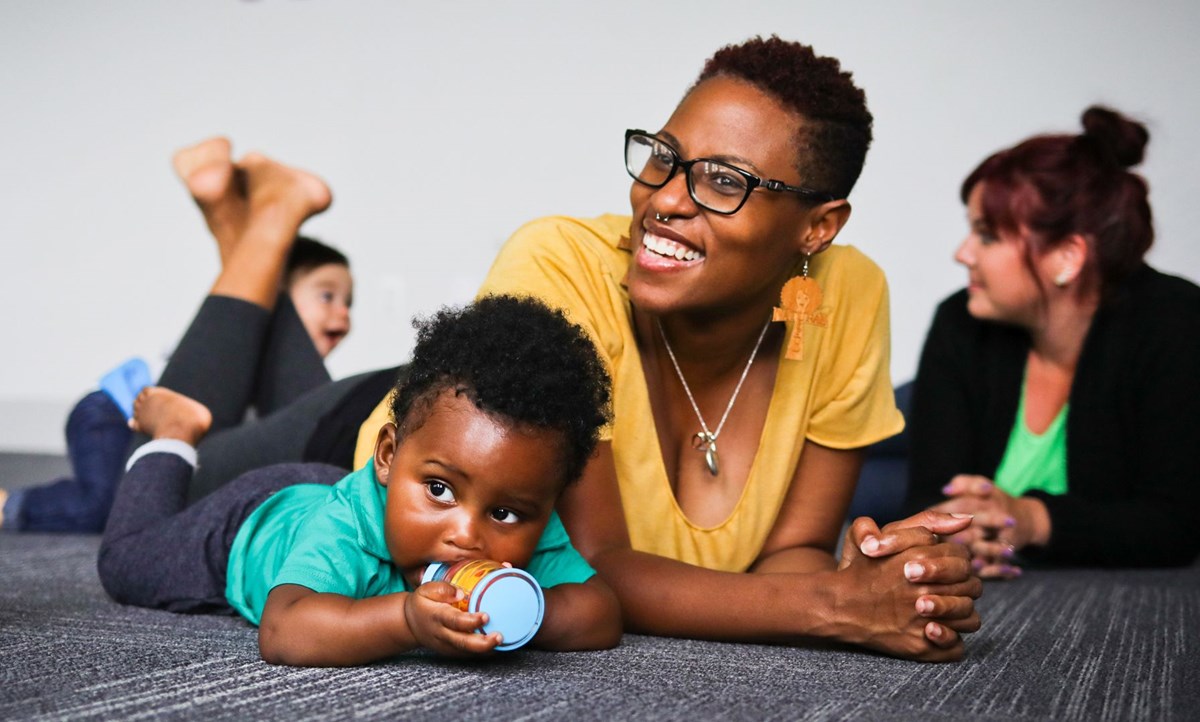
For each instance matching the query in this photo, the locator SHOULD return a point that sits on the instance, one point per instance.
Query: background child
(501, 409)
(317, 282)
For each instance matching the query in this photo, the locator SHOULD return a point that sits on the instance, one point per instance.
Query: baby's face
(464, 486)
(322, 298)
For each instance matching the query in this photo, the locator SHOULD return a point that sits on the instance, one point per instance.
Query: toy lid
(433, 572)
(514, 604)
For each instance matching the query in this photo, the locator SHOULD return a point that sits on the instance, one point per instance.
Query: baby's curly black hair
(517, 360)
(833, 140)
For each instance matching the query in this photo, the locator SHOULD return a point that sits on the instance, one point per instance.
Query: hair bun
(1120, 140)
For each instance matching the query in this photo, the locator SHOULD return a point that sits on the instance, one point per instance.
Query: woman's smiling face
(698, 259)
(1000, 285)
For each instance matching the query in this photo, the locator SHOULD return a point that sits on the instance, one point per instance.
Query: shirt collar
(368, 502)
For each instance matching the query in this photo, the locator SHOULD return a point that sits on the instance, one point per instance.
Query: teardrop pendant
(706, 442)
(710, 459)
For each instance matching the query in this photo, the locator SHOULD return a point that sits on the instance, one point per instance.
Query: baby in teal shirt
(500, 409)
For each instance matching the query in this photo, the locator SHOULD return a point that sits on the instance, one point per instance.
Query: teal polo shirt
(330, 539)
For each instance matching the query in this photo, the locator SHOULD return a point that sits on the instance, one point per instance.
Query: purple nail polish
(1010, 522)
(946, 489)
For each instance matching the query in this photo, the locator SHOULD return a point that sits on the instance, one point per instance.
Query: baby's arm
(301, 627)
(580, 616)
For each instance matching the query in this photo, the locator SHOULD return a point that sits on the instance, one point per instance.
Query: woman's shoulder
(1155, 302)
(851, 262)
(1152, 285)
(849, 278)
(1154, 312)
(555, 247)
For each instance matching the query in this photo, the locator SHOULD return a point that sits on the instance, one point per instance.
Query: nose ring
(661, 219)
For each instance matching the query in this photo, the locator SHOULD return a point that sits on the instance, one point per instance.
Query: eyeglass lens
(712, 184)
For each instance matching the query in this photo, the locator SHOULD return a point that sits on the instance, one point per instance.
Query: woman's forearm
(868, 602)
(665, 597)
(799, 560)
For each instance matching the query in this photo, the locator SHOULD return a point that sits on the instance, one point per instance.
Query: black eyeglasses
(712, 184)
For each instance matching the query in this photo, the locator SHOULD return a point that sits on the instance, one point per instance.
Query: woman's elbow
(606, 626)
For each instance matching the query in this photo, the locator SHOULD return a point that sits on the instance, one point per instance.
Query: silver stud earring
(1063, 278)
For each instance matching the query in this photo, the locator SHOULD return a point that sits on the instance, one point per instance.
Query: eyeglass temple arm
(778, 185)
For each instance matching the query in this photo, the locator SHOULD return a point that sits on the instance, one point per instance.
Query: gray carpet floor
(1066, 644)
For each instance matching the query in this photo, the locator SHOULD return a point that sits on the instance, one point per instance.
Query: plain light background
(442, 127)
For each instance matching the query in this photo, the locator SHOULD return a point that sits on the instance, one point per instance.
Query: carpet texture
(1082, 645)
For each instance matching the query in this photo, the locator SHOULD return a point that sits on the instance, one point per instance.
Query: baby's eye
(505, 516)
(327, 297)
(439, 490)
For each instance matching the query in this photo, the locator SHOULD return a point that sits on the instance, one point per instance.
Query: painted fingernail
(933, 630)
(924, 606)
(1010, 521)
(947, 488)
(985, 486)
(914, 570)
(1007, 552)
(977, 564)
(870, 545)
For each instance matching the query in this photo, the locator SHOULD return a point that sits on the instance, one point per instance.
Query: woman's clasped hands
(910, 593)
(1003, 525)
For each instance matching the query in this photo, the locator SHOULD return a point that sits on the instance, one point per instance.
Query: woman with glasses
(1056, 394)
(750, 367)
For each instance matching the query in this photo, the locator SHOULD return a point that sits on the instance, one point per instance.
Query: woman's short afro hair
(519, 361)
(831, 146)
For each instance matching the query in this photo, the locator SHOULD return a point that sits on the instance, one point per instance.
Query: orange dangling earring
(800, 304)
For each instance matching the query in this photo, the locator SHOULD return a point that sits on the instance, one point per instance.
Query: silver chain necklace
(705, 440)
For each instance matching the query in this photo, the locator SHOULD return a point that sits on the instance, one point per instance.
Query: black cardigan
(1133, 430)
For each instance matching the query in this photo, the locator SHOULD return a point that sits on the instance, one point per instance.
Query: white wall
(443, 126)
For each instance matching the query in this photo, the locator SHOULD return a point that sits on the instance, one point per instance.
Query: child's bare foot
(165, 414)
(217, 187)
(280, 199)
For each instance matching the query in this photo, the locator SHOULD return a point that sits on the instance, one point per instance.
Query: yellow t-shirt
(839, 396)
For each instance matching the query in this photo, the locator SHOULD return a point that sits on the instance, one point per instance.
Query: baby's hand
(441, 627)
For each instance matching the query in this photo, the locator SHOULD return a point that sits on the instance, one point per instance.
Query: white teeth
(669, 249)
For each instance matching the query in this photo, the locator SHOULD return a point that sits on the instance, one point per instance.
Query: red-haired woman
(1056, 398)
